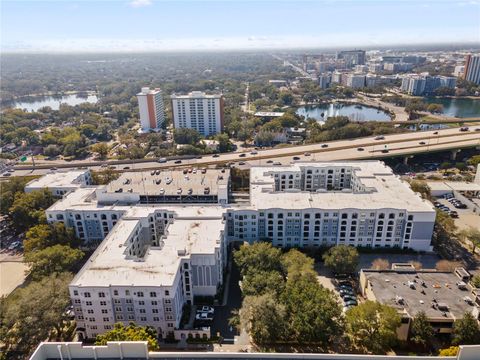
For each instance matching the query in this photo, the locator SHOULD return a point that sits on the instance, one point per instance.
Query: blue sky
(133, 25)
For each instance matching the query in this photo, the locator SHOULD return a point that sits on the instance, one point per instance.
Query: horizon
(164, 26)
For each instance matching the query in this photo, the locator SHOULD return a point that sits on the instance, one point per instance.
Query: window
(75, 292)
(156, 318)
(101, 294)
(88, 303)
(115, 292)
(140, 294)
(142, 311)
(87, 295)
(154, 302)
(153, 294)
(103, 303)
(170, 325)
(155, 311)
(141, 302)
(168, 301)
(127, 292)
(167, 293)
(106, 319)
(104, 311)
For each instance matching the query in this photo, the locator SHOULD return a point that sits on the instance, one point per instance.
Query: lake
(461, 107)
(37, 102)
(354, 112)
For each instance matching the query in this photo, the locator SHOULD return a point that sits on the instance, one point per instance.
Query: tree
(36, 313)
(41, 236)
(314, 314)
(260, 256)
(186, 136)
(130, 332)
(422, 188)
(262, 282)
(380, 264)
(264, 138)
(475, 281)
(422, 331)
(296, 263)
(53, 259)
(101, 149)
(10, 190)
(474, 160)
(461, 166)
(472, 235)
(372, 326)
(52, 150)
(28, 208)
(224, 144)
(466, 330)
(435, 108)
(341, 259)
(264, 318)
(104, 177)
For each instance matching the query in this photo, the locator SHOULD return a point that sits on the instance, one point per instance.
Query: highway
(396, 145)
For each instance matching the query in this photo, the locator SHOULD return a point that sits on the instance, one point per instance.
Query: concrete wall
(138, 350)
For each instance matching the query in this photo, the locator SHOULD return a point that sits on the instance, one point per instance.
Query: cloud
(140, 3)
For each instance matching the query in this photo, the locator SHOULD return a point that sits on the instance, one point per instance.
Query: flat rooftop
(386, 189)
(196, 95)
(195, 230)
(57, 179)
(168, 183)
(439, 287)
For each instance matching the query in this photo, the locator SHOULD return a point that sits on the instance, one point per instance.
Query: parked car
(162, 160)
(360, 149)
(242, 155)
(203, 316)
(453, 214)
(296, 158)
(206, 309)
(349, 298)
(379, 137)
(269, 161)
(307, 154)
(14, 245)
(351, 303)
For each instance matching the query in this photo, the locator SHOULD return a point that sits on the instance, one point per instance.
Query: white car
(204, 317)
(205, 309)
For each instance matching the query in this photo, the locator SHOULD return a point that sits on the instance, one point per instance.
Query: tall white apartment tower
(198, 111)
(150, 105)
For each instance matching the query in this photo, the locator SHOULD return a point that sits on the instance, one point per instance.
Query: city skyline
(148, 25)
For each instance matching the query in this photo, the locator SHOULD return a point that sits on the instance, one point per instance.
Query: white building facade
(151, 109)
(198, 111)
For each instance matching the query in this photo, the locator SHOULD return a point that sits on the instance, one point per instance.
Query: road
(397, 145)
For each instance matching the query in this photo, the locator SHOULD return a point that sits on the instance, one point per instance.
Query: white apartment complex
(151, 110)
(472, 68)
(155, 257)
(198, 111)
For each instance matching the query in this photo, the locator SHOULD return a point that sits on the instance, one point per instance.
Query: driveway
(223, 313)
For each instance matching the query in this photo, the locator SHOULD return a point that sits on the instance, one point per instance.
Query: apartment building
(60, 182)
(326, 204)
(424, 84)
(151, 109)
(142, 274)
(472, 68)
(355, 81)
(352, 57)
(153, 258)
(198, 111)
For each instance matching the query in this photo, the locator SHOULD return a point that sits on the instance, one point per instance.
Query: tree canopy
(372, 326)
(342, 259)
(130, 332)
(466, 330)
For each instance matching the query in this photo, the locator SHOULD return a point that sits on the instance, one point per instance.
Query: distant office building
(361, 68)
(472, 69)
(375, 67)
(198, 111)
(396, 67)
(424, 84)
(355, 81)
(324, 81)
(150, 106)
(352, 57)
(336, 77)
(410, 59)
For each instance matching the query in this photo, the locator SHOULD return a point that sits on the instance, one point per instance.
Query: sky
(157, 25)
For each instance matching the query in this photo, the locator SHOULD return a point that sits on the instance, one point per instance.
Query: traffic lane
(224, 313)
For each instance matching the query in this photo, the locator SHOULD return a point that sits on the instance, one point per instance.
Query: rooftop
(169, 182)
(196, 95)
(386, 190)
(57, 179)
(195, 230)
(431, 291)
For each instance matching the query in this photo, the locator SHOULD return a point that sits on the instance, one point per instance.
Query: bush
(475, 281)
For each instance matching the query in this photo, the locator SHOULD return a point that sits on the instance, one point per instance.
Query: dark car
(178, 161)
(324, 146)
(422, 143)
(435, 133)
(242, 155)
(296, 158)
(241, 163)
(269, 161)
(216, 155)
(385, 151)
(126, 167)
(360, 149)
(464, 128)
